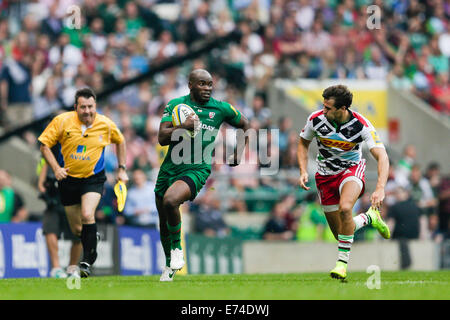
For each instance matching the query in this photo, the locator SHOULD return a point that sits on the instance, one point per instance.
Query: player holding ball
(185, 170)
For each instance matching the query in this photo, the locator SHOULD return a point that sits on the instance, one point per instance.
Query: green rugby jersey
(211, 115)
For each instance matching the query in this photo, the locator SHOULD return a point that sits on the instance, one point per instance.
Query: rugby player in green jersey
(186, 169)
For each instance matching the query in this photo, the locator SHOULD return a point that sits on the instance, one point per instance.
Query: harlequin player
(340, 132)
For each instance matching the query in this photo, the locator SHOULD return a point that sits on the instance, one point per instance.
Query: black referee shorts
(71, 189)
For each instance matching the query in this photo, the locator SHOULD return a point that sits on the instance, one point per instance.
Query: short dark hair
(341, 95)
(85, 93)
(433, 166)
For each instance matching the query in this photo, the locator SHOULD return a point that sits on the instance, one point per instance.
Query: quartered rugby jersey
(339, 145)
(82, 153)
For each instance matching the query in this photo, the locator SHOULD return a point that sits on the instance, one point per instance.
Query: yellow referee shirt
(82, 153)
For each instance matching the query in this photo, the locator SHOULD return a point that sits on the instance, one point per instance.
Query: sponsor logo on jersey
(211, 115)
(324, 129)
(343, 145)
(206, 127)
(81, 149)
(375, 137)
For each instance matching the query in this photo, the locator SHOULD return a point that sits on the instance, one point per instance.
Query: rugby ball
(179, 115)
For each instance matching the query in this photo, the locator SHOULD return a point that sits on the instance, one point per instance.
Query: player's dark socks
(166, 244)
(175, 235)
(89, 241)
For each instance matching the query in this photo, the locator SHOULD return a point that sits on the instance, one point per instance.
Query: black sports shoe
(85, 269)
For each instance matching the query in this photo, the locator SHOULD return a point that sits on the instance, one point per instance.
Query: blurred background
(271, 59)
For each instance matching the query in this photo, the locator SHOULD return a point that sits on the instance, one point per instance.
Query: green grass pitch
(404, 285)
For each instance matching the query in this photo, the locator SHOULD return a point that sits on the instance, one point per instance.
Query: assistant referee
(81, 137)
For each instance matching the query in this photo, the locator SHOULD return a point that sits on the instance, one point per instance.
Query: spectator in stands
(328, 65)
(13, 207)
(377, 66)
(96, 37)
(289, 43)
(208, 216)
(162, 49)
(304, 14)
(421, 190)
(422, 78)
(67, 53)
(260, 111)
(140, 208)
(52, 25)
(289, 157)
(423, 196)
(285, 129)
(390, 189)
(444, 207)
(48, 102)
(133, 20)
(15, 83)
(109, 70)
(277, 226)
(403, 218)
(403, 167)
(312, 223)
(237, 203)
(247, 170)
(444, 41)
(440, 93)
(199, 26)
(436, 59)
(316, 41)
(433, 175)
(398, 79)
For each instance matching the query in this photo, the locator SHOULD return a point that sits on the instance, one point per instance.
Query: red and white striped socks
(344, 246)
(361, 220)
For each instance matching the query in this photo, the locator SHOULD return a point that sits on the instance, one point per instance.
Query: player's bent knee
(345, 207)
(87, 217)
(76, 230)
(171, 202)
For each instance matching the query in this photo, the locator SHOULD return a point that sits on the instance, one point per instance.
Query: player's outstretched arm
(241, 141)
(302, 158)
(382, 158)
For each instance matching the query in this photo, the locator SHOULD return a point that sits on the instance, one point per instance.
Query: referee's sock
(89, 241)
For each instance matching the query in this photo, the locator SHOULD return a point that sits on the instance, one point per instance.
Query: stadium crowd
(44, 61)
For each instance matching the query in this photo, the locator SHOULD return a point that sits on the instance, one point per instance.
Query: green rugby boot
(340, 271)
(378, 223)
